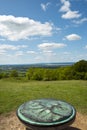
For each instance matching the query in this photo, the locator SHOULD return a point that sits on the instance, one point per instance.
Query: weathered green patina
(46, 112)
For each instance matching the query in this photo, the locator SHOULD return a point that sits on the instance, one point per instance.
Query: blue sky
(35, 31)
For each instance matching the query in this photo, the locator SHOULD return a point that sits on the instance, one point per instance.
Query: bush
(5, 75)
(85, 77)
(79, 75)
(14, 73)
(80, 66)
(1, 75)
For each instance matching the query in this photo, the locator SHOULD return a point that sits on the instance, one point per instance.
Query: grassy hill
(14, 93)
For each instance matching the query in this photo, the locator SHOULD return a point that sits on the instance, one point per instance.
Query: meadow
(13, 93)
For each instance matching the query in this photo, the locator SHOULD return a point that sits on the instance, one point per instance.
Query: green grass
(14, 93)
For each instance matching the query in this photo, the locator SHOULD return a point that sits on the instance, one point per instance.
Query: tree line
(77, 71)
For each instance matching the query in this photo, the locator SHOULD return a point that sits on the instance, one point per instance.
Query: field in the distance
(14, 93)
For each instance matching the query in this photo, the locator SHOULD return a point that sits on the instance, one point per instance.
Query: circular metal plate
(46, 112)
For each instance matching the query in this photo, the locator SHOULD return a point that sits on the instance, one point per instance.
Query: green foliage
(80, 66)
(77, 71)
(34, 74)
(4, 75)
(85, 77)
(79, 75)
(1, 76)
(49, 75)
(14, 73)
(64, 73)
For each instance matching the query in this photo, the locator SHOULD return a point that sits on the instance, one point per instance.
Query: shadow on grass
(71, 128)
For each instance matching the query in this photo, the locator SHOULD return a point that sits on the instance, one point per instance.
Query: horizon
(41, 31)
(41, 63)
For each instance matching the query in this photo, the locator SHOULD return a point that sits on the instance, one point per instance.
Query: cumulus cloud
(73, 37)
(67, 12)
(50, 46)
(16, 28)
(45, 6)
(66, 6)
(80, 21)
(71, 14)
(6, 47)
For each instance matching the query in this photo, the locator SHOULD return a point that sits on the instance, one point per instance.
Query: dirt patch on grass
(11, 122)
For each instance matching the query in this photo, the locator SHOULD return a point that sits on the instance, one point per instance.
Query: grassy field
(14, 93)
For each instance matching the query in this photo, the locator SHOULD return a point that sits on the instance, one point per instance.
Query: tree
(85, 76)
(14, 73)
(37, 75)
(29, 73)
(1, 75)
(80, 66)
(5, 75)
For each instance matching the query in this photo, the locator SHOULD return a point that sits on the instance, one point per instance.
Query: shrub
(14, 73)
(80, 66)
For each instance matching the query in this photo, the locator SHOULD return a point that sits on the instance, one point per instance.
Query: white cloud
(67, 12)
(45, 6)
(50, 46)
(86, 46)
(73, 37)
(66, 6)
(80, 21)
(71, 15)
(2, 52)
(31, 52)
(48, 53)
(6, 47)
(16, 28)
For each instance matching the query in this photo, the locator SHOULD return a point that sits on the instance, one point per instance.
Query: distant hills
(24, 67)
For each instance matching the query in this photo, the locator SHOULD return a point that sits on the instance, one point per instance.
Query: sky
(43, 31)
